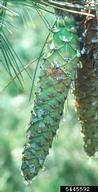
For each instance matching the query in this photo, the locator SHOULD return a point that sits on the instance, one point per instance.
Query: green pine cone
(86, 86)
(56, 74)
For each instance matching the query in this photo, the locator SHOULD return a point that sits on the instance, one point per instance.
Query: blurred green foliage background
(67, 163)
